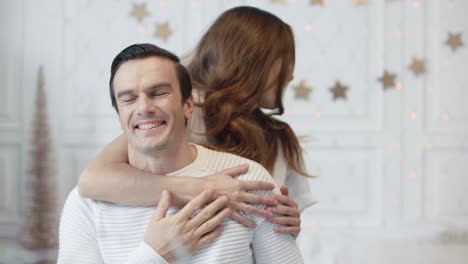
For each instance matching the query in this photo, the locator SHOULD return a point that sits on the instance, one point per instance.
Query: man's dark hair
(145, 50)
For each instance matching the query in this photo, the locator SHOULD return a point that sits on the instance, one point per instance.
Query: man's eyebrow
(159, 85)
(124, 92)
(152, 87)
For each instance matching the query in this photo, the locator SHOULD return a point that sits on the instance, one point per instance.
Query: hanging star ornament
(317, 2)
(388, 80)
(278, 1)
(417, 66)
(454, 40)
(139, 12)
(339, 91)
(302, 90)
(163, 31)
(360, 2)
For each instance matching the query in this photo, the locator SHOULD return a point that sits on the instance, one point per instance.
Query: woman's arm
(110, 178)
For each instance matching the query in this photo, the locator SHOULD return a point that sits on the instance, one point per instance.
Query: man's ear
(188, 107)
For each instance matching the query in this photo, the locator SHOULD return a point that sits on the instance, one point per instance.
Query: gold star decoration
(317, 2)
(388, 80)
(338, 91)
(302, 90)
(139, 12)
(417, 66)
(278, 1)
(163, 31)
(360, 2)
(454, 40)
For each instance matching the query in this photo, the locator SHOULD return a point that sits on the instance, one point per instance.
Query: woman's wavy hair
(230, 66)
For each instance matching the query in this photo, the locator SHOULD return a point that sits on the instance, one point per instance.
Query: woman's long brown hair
(230, 66)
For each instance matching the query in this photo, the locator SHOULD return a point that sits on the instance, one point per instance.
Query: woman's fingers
(285, 210)
(291, 230)
(285, 220)
(250, 209)
(256, 199)
(242, 219)
(284, 190)
(285, 200)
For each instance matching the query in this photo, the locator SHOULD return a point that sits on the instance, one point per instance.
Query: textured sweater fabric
(97, 232)
(297, 184)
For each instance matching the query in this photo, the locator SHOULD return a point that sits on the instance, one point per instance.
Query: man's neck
(163, 161)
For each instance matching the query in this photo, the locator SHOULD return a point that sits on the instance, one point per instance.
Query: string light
(451, 5)
(399, 34)
(318, 114)
(195, 3)
(398, 86)
(444, 178)
(141, 30)
(412, 174)
(445, 117)
(414, 115)
(308, 27)
(416, 4)
(428, 147)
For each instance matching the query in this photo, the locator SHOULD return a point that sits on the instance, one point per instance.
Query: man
(152, 95)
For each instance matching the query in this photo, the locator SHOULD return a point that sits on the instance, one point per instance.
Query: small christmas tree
(41, 225)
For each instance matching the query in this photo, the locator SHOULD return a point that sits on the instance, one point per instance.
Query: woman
(242, 63)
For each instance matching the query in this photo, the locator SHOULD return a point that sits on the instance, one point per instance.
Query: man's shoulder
(75, 200)
(211, 154)
(219, 160)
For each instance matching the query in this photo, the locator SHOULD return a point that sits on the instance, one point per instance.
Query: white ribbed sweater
(98, 232)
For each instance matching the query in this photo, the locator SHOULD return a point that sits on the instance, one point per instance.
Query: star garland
(163, 31)
(339, 91)
(139, 12)
(417, 66)
(454, 41)
(302, 90)
(317, 2)
(388, 80)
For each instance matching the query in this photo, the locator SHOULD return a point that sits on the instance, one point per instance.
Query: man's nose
(145, 105)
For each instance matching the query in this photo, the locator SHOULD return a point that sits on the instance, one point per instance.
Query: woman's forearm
(110, 178)
(123, 184)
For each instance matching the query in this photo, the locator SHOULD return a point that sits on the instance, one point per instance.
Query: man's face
(151, 111)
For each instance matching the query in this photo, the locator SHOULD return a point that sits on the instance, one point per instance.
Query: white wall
(393, 183)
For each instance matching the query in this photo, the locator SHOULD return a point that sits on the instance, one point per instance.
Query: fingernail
(253, 225)
(164, 194)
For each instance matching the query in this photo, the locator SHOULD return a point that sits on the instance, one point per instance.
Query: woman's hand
(286, 214)
(224, 183)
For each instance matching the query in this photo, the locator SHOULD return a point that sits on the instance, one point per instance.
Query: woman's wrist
(188, 188)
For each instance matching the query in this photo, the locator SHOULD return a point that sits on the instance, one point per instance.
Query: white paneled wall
(393, 185)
